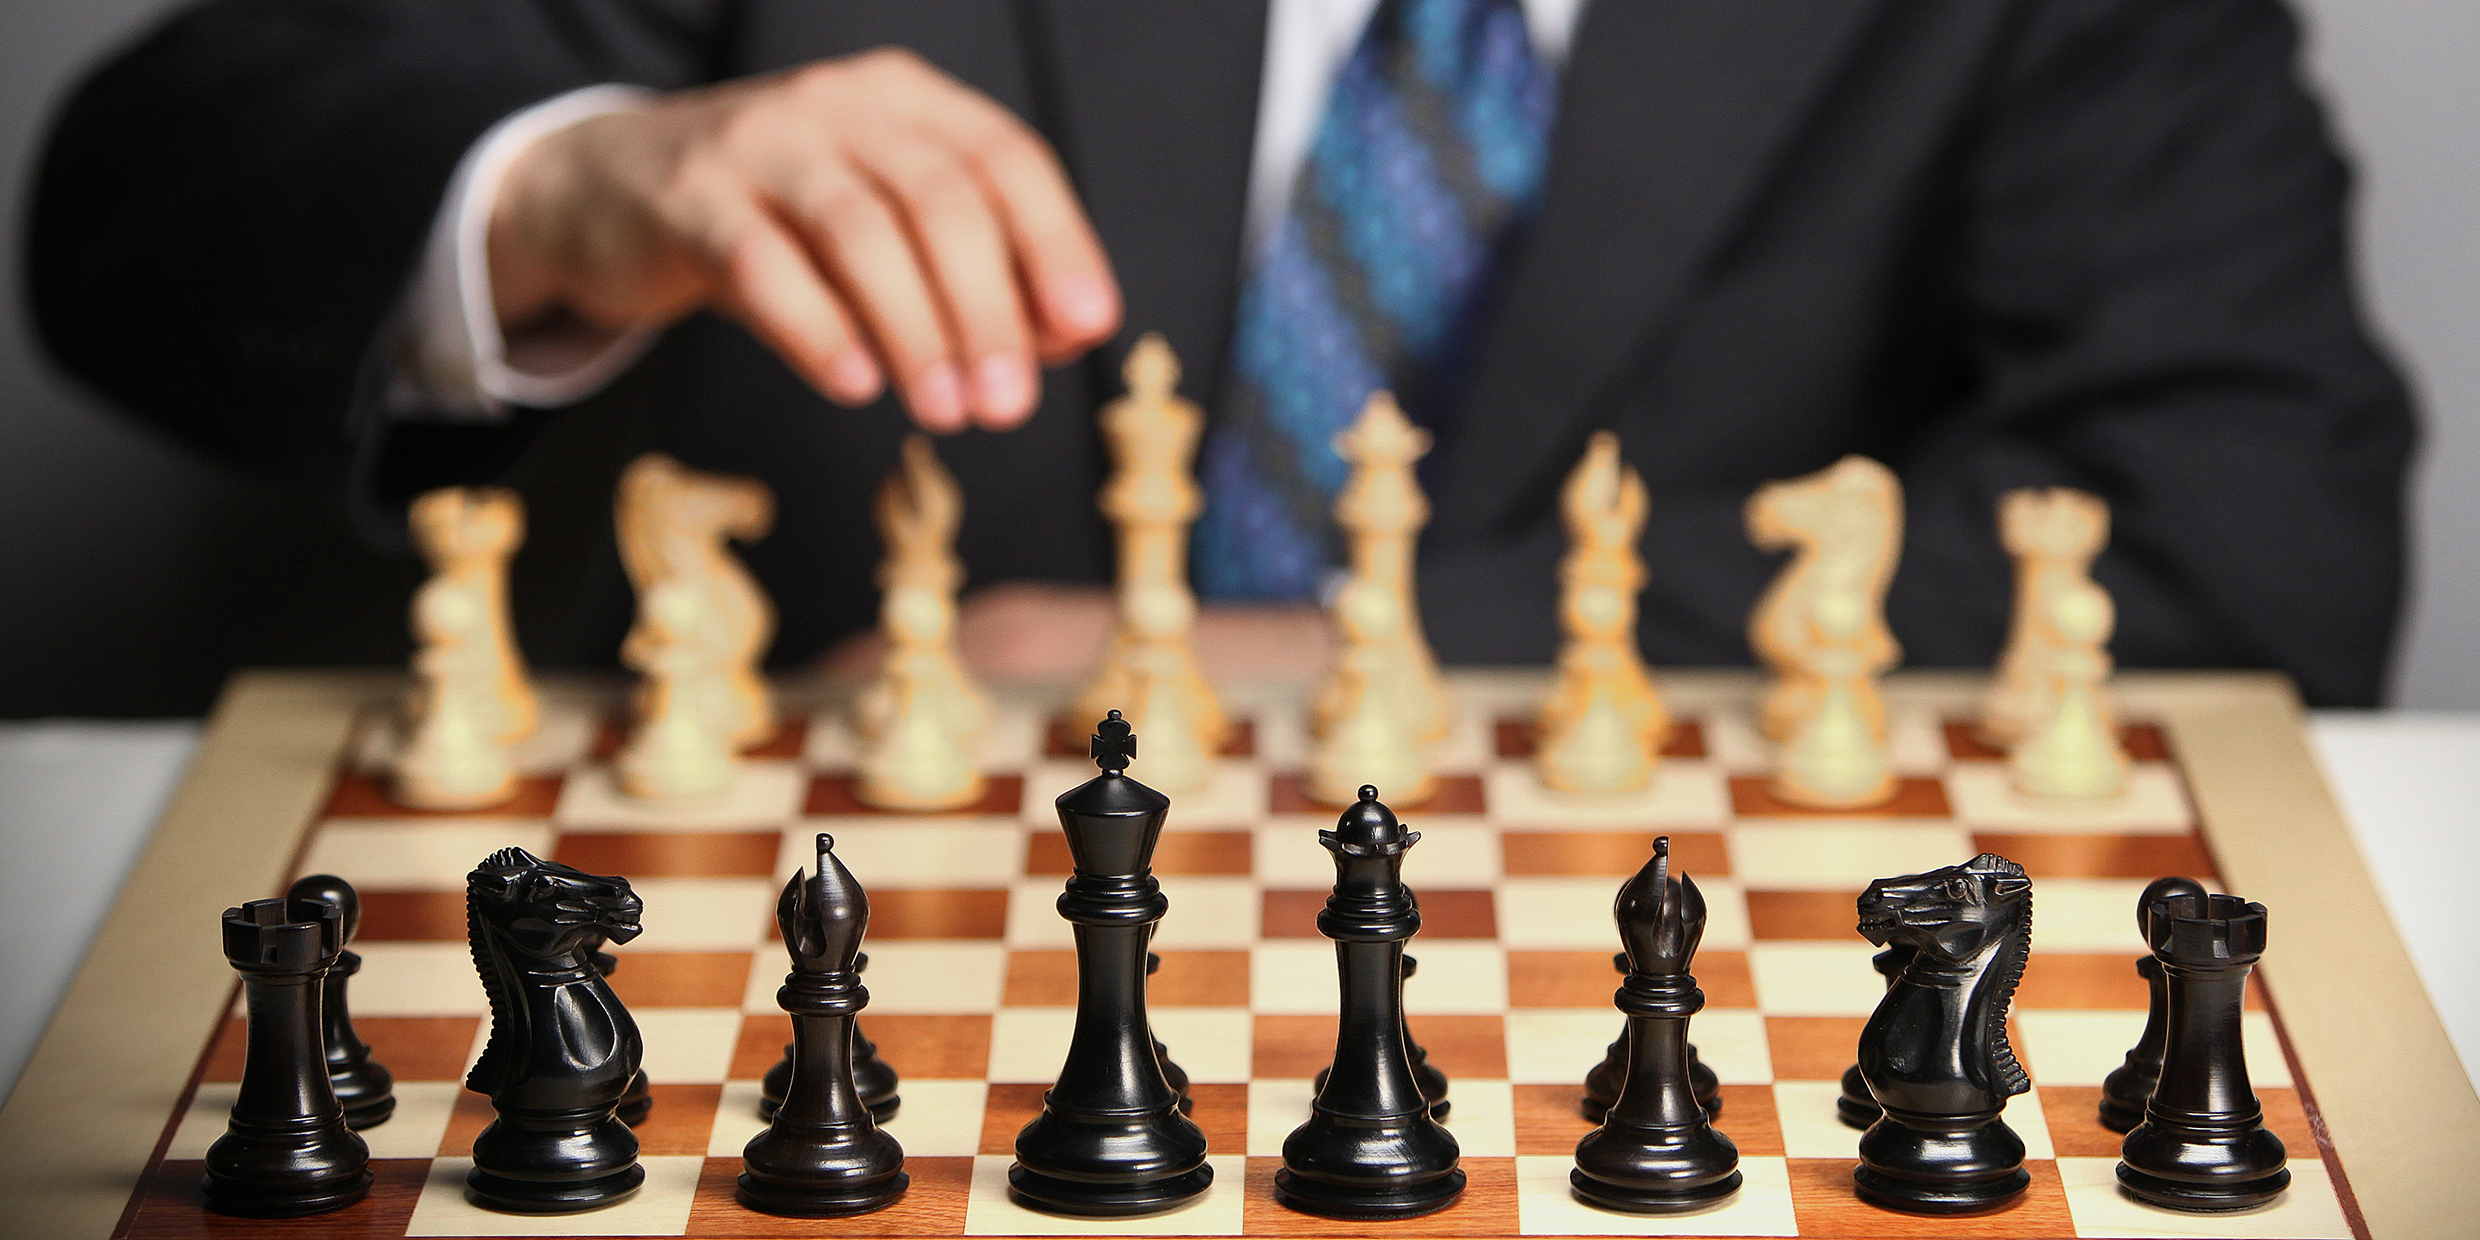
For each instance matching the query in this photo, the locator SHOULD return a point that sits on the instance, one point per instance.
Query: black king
(1111, 1139)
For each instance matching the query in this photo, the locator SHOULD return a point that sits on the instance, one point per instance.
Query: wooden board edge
(86, 1116)
(2395, 1100)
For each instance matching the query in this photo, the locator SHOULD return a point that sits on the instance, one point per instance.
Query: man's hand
(868, 218)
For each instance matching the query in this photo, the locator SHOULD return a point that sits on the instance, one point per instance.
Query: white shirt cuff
(454, 362)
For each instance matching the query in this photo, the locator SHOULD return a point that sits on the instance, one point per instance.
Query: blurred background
(113, 542)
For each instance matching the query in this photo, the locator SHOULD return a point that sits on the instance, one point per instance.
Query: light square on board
(2087, 915)
(2153, 802)
(704, 914)
(1212, 1045)
(765, 793)
(413, 1131)
(1029, 1044)
(1277, 1105)
(1840, 854)
(417, 979)
(1815, 979)
(1915, 743)
(1685, 794)
(1810, 1126)
(888, 854)
(417, 854)
(2082, 1048)
(2309, 1210)
(688, 1046)
(1206, 912)
(659, 1208)
(1452, 854)
(1545, 1206)
(989, 1211)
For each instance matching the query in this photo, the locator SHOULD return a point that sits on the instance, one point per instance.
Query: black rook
(2203, 1143)
(286, 1151)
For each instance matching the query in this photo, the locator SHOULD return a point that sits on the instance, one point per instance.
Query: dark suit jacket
(1995, 243)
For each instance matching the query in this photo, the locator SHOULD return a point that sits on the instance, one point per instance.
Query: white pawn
(2074, 752)
(454, 760)
(914, 762)
(1162, 685)
(1834, 758)
(1600, 749)
(1369, 742)
(678, 748)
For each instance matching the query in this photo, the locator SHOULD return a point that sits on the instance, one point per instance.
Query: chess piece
(1855, 1107)
(1602, 728)
(1602, 1084)
(1150, 666)
(472, 701)
(1369, 738)
(921, 718)
(364, 1087)
(677, 749)
(1426, 1075)
(1111, 1139)
(873, 1078)
(1656, 1151)
(2053, 534)
(286, 1152)
(562, 1050)
(1935, 1054)
(1370, 1149)
(1173, 1075)
(1821, 627)
(822, 1155)
(673, 523)
(637, 1101)
(2129, 1087)
(2203, 1144)
(1381, 511)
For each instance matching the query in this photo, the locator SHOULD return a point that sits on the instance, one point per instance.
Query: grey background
(113, 541)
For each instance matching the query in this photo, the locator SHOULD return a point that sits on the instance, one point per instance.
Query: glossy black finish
(1656, 1151)
(1111, 1139)
(562, 1050)
(638, 1101)
(822, 1155)
(873, 1078)
(2203, 1143)
(1173, 1073)
(1601, 1085)
(1935, 1054)
(1855, 1107)
(286, 1152)
(1433, 1082)
(2129, 1086)
(1370, 1149)
(364, 1087)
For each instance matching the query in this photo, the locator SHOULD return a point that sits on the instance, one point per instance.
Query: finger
(1067, 276)
(764, 278)
(862, 246)
(963, 248)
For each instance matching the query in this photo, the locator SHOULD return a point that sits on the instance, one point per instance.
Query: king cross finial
(1115, 744)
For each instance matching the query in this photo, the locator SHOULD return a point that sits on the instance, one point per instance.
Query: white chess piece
(2054, 535)
(677, 748)
(1602, 727)
(2073, 752)
(1163, 686)
(920, 718)
(1369, 742)
(1834, 760)
(1382, 511)
(1821, 625)
(673, 524)
(472, 701)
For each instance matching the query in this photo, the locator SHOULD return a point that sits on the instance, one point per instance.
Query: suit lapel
(1671, 113)
(1153, 103)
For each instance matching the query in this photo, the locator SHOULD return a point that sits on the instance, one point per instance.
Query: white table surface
(77, 801)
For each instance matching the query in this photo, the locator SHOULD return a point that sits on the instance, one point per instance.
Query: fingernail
(938, 395)
(1003, 385)
(1084, 304)
(853, 376)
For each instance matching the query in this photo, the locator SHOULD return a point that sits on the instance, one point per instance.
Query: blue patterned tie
(1429, 155)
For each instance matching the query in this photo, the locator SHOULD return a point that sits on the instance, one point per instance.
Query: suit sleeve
(230, 208)
(2154, 285)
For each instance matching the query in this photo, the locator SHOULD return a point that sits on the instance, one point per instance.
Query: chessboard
(973, 981)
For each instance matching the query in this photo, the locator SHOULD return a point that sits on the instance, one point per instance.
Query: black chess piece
(873, 1078)
(1935, 1054)
(364, 1087)
(1111, 1139)
(822, 1155)
(286, 1152)
(1432, 1081)
(2203, 1143)
(1855, 1107)
(1656, 1151)
(1173, 1073)
(1370, 1149)
(636, 1102)
(1601, 1085)
(562, 1049)
(2129, 1086)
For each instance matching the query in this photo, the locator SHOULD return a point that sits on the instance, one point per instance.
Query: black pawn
(1656, 1151)
(2129, 1086)
(822, 1155)
(1370, 1149)
(1111, 1139)
(1855, 1107)
(1433, 1082)
(1601, 1085)
(874, 1078)
(2203, 1143)
(638, 1102)
(364, 1087)
(286, 1151)
(1173, 1073)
